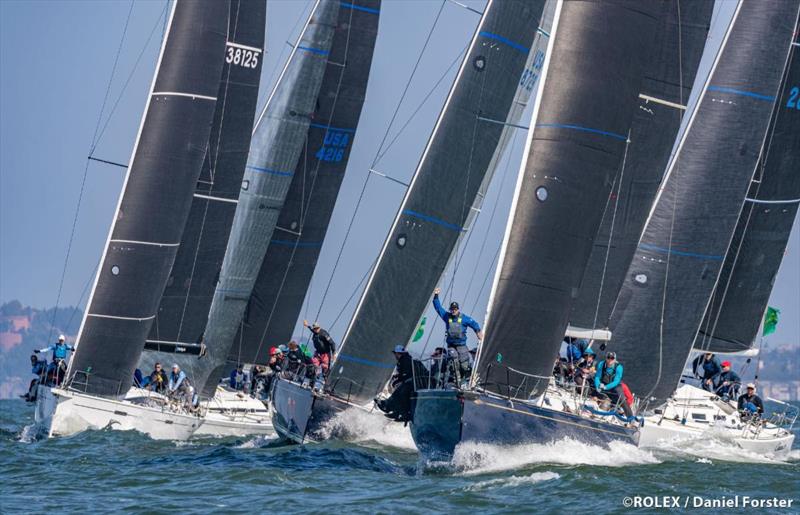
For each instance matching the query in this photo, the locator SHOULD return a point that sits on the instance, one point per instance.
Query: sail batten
(154, 205)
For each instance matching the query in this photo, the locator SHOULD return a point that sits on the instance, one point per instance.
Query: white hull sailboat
(65, 412)
(232, 413)
(693, 413)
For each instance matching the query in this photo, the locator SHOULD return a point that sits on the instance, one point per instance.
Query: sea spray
(359, 425)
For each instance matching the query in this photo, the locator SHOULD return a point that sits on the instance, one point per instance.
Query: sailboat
(144, 237)
(573, 154)
(483, 105)
(182, 314)
(753, 216)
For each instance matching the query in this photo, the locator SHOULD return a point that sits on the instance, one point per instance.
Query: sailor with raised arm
(456, 325)
(59, 363)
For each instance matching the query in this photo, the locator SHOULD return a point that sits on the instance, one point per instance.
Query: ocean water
(371, 466)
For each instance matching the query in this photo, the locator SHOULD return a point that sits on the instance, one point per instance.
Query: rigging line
(455, 61)
(129, 78)
(611, 230)
(353, 294)
(212, 165)
(86, 172)
(305, 204)
(760, 166)
(374, 162)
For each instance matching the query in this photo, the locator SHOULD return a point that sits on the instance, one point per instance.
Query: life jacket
(608, 373)
(60, 351)
(455, 327)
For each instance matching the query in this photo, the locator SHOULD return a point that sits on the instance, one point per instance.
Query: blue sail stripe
(504, 40)
(743, 93)
(359, 8)
(289, 243)
(433, 219)
(332, 128)
(363, 361)
(273, 172)
(313, 50)
(584, 129)
(656, 248)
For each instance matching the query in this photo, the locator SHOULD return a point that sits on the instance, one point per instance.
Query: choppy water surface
(376, 470)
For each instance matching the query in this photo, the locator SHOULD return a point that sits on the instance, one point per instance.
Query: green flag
(770, 320)
(420, 330)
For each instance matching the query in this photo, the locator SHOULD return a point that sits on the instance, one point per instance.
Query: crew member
(179, 386)
(324, 347)
(38, 368)
(398, 405)
(750, 405)
(456, 325)
(728, 382)
(58, 366)
(158, 379)
(236, 380)
(295, 360)
(608, 381)
(709, 366)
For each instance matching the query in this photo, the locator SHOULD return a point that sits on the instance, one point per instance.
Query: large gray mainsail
(572, 157)
(679, 256)
(275, 148)
(183, 312)
(285, 275)
(437, 204)
(668, 81)
(751, 264)
(156, 197)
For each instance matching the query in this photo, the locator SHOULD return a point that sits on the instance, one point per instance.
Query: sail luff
(143, 238)
(677, 263)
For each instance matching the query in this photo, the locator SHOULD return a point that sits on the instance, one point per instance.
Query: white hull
(65, 412)
(693, 413)
(231, 413)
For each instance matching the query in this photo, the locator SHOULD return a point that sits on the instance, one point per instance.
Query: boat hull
(299, 414)
(445, 418)
(232, 413)
(64, 412)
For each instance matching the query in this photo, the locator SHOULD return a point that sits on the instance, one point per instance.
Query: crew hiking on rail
(456, 325)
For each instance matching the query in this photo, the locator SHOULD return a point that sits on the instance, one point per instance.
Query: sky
(56, 61)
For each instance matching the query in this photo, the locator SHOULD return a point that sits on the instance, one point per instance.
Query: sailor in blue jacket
(57, 367)
(709, 365)
(608, 381)
(456, 325)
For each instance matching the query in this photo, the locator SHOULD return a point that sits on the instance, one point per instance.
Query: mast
(156, 198)
(576, 149)
(285, 273)
(680, 40)
(437, 203)
(733, 319)
(677, 263)
(275, 148)
(183, 311)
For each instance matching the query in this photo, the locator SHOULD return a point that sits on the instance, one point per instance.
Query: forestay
(156, 197)
(680, 39)
(582, 120)
(679, 256)
(291, 257)
(437, 203)
(181, 318)
(740, 299)
(275, 148)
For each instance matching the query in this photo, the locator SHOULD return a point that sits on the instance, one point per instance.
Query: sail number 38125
(242, 57)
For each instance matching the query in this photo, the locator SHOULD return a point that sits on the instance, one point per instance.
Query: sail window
(541, 193)
(294, 226)
(115, 270)
(479, 62)
(640, 278)
(245, 184)
(401, 240)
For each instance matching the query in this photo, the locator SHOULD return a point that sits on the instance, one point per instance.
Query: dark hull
(298, 414)
(445, 418)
